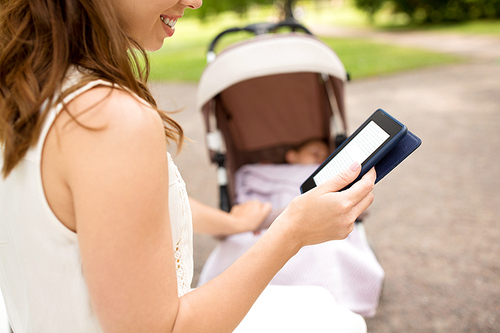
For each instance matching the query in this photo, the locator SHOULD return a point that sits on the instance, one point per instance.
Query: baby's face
(312, 153)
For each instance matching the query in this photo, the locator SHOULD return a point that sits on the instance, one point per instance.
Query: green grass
(182, 57)
(363, 58)
(180, 64)
(482, 27)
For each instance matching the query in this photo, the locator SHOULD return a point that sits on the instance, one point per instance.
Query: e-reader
(368, 145)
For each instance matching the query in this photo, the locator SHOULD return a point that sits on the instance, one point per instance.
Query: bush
(211, 8)
(433, 11)
(370, 6)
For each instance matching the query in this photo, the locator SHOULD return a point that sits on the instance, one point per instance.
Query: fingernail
(355, 166)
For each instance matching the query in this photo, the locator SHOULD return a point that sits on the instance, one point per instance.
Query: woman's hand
(250, 215)
(243, 217)
(323, 214)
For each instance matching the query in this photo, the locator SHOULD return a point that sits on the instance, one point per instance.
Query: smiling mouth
(169, 22)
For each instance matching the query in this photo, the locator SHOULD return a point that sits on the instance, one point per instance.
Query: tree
(370, 6)
(434, 11)
(213, 7)
(288, 9)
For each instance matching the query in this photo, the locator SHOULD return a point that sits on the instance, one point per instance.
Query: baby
(310, 152)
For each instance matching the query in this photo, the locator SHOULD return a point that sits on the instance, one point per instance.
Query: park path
(433, 224)
(478, 47)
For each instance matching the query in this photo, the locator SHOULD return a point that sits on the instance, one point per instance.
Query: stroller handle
(256, 29)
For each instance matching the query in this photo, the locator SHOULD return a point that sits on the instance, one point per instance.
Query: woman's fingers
(363, 205)
(367, 181)
(363, 186)
(360, 193)
(341, 180)
(358, 190)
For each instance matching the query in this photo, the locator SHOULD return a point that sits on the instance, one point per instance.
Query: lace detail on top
(181, 220)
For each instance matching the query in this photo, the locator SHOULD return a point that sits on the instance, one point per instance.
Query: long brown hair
(39, 41)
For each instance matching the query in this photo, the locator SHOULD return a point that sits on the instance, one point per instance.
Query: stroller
(260, 98)
(267, 94)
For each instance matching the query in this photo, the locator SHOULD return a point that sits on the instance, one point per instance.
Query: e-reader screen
(358, 150)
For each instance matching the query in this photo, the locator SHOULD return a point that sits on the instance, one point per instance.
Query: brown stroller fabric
(262, 121)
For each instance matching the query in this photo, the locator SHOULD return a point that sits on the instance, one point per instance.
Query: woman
(96, 230)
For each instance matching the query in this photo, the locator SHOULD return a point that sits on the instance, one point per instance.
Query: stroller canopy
(268, 55)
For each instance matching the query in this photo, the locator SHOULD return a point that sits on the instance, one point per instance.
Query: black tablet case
(407, 145)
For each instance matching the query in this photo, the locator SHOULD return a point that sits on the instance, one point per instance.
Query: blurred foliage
(211, 8)
(370, 6)
(435, 11)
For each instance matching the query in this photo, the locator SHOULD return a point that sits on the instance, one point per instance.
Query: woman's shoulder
(108, 107)
(110, 122)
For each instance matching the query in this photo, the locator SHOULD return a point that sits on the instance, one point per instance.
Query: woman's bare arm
(118, 177)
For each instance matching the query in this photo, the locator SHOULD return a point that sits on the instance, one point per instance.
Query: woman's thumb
(342, 179)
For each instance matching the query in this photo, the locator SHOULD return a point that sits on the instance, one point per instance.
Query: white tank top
(40, 266)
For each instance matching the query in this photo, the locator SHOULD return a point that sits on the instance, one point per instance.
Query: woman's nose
(193, 4)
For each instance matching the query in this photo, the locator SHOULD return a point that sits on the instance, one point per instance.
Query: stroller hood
(267, 55)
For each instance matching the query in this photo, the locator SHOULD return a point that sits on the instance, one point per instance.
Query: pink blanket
(275, 183)
(347, 268)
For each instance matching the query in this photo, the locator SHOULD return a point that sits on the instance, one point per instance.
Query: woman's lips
(168, 24)
(168, 21)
